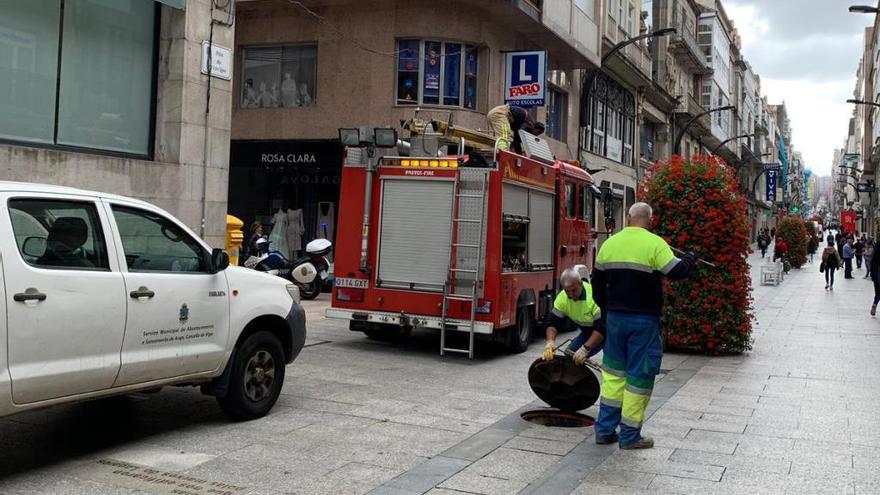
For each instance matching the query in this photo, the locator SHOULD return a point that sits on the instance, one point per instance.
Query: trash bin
(234, 238)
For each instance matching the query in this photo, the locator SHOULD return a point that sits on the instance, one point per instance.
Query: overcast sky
(806, 53)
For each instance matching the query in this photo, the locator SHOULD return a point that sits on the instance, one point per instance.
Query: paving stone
(618, 476)
(711, 441)
(684, 456)
(554, 447)
(428, 474)
(472, 482)
(668, 468)
(512, 464)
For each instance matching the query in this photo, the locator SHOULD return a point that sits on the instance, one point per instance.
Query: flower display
(698, 208)
(794, 233)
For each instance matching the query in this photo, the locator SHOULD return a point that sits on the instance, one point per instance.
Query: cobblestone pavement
(794, 415)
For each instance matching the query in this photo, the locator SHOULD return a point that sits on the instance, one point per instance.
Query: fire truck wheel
(521, 334)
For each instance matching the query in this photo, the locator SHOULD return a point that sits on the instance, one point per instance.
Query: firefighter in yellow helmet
(628, 286)
(507, 120)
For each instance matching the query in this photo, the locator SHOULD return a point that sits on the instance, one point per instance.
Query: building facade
(110, 96)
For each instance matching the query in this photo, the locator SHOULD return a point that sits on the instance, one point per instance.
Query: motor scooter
(309, 272)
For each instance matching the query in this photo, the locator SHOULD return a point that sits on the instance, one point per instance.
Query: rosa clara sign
(525, 81)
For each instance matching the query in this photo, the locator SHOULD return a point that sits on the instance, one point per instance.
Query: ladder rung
(469, 195)
(467, 220)
(460, 351)
(462, 270)
(460, 298)
(472, 246)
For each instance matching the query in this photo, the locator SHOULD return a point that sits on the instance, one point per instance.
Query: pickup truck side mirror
(34, 247)
(219, 261)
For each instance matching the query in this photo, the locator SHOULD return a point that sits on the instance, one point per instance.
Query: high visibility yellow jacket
(629, 270)
(583, 312)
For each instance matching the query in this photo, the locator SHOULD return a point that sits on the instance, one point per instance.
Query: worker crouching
(575, 305)
(628, 286)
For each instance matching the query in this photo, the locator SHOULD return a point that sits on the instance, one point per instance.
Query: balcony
(633, 64)
(689, 54)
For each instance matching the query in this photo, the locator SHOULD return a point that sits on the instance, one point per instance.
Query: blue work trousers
(633, 352)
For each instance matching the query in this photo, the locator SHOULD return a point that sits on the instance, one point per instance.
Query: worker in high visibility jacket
(507, 120)
(628, 287)
(575, 305)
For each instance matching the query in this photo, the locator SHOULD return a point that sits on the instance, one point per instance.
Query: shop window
(557, 110)
(570, 200)
(279, 76)
(608, 114)
(436, 73)
(646, 141)
(103, 80)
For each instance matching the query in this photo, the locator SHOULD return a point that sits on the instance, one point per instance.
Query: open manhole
(561, 419)
(564, 385)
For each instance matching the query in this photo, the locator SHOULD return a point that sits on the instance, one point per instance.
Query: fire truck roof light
(404, 163)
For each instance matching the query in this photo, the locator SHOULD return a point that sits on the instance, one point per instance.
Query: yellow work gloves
(549, 351)
(580, 357)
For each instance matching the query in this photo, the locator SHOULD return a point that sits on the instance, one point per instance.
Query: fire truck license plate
(354, 283)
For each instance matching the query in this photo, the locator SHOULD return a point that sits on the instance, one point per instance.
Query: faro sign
(525, 83)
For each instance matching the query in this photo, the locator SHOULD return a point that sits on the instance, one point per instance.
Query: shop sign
(290, 158)
(772, 166)
(771, 186)
(304, 155)
(525, 82)
(848, 221)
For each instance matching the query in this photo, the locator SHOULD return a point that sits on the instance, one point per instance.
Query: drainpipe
(207, 152)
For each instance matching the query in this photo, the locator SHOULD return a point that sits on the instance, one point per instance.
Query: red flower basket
(794, 233)
(697, 207)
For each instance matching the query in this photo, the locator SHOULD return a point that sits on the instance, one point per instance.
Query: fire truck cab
(468, 243)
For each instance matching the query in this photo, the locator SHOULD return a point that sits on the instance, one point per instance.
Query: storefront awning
(174, 4)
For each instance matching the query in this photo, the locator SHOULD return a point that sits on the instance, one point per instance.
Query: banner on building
(771, 186)
(848, 221)
(525, 82)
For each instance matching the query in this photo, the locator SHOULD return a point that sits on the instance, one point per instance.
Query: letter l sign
(522, 71)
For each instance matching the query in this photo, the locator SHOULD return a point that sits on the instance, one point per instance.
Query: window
(103, 80)
(59, 234)
(621, 18)
(557, 109)
(646, 140)
(631, 21)
(570, 200)
(587, 210)
(612, 8)
(153, 243)
(436, 73)
(608, 110)
(279, 76)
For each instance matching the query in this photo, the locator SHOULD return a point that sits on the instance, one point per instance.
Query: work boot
(642, 443)
(613, 438)
(873, 310)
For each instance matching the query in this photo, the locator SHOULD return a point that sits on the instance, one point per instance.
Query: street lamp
(863, 9)
(616, 48)
(862, 102)
(734, 138)
(680, 134)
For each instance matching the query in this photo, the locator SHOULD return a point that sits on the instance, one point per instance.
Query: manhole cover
(561, 419)
(563, 384)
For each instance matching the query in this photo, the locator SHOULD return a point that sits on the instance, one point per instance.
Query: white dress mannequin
(295, 230)
(278, 236)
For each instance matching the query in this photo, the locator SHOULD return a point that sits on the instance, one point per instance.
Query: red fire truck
(470, 243)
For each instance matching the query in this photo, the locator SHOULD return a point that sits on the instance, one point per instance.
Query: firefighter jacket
(629, 270)
(583, 312)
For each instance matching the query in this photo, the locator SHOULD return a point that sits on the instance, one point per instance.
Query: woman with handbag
(875, 277)
(830, 263)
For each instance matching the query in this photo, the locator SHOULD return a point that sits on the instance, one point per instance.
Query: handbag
(822, 267)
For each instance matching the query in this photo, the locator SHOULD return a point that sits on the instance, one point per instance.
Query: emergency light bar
(421, 163)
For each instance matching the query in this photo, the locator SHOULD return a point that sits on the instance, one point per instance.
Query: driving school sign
(525, 82)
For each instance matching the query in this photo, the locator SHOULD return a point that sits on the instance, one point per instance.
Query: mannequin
(295, 231)
(325, 217)
(278, 237)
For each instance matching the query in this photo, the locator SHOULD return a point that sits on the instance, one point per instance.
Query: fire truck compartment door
(540, 228)
(414, 241)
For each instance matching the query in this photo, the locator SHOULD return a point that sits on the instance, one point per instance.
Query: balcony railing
(684, 44)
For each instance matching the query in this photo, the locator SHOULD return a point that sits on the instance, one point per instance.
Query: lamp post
(680, 134)
(734, 138)
(616, 48)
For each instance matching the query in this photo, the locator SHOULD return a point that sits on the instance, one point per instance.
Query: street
(794, 415)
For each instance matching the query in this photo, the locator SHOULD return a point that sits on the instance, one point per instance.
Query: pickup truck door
(178, 312)
(65, 297)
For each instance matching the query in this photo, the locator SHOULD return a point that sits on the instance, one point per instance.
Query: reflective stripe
(631, 422)
(625, 265)
(637, 390)
(558, 313)
(614, 372)
(669, 266)
(610, 402)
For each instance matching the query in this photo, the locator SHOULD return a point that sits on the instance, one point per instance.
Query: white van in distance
(106, 295)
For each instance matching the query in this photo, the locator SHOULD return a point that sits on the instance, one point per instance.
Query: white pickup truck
(105, 295)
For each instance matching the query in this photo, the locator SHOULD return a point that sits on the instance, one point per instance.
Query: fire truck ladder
(464, 280)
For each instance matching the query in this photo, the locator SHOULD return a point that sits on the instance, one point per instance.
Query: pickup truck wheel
(310, 291)
(256, 379)
(521, 334)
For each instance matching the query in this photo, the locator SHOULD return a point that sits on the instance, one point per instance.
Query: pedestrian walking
(574, 306)
(628, 287)
(763, 242)
(812, 247)
(869, 255)
(847, 259)
(875, 277)
(859, 251)
(830, 263)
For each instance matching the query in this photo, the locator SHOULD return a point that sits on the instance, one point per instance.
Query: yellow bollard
(234, 238)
